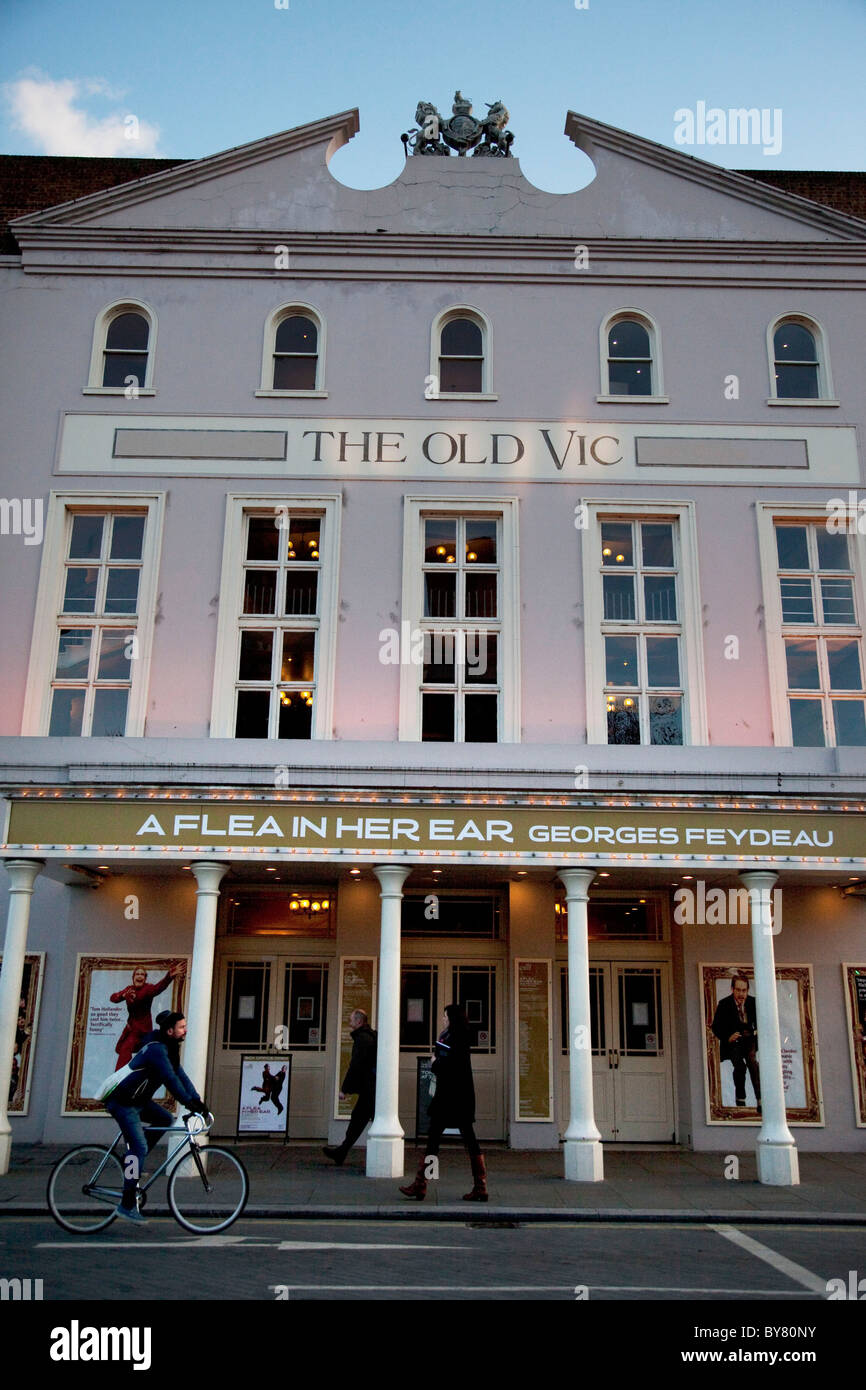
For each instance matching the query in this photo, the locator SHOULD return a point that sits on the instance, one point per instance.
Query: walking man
(360, 1081)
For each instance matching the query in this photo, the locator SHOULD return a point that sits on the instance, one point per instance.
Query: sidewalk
(297, 1181)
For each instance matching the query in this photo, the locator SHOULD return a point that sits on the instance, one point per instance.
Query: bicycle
(90, 1177)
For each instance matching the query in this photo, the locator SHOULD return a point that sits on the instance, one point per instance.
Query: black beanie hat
(167, 1019)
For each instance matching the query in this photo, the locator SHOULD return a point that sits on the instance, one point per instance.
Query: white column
(208, 877)
(22, 873)
(584, 1161)
(776, 1150)
(385, 1136)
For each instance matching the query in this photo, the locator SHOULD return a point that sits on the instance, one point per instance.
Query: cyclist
(155, 1065)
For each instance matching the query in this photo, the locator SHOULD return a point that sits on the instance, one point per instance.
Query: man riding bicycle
(157, 1064)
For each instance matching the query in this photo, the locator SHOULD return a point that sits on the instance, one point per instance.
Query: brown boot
(479, 1173)
(419, 1187)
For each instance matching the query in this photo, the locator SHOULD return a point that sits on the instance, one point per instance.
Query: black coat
(453, 1104)
(360, 1079)
(726, 1021)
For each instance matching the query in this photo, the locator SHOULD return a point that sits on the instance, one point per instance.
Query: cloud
(51, 114)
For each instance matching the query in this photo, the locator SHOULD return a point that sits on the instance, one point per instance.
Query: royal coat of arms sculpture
(463, 132)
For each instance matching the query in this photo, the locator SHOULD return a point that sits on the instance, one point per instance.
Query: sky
(186, 78)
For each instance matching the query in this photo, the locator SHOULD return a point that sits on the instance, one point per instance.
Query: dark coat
(155, 1066)
(360, 1079)
(453, 1104)
(726, 1021)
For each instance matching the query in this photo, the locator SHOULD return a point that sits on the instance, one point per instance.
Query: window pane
(304, 536)
(298, 656)
(832, 550)
(418, 988)
(618, 597)
(67, 713)
(128, 331)
(807, 724)
(630, 379)
(796, 601)
(295, 373)
(794, 343)
(843, 659)
(662, 661)
(620, 661)
(253, 710)
(802, 659)
(302, 588)
(437, 720)
(658, 544)
(297, 334)
(260, 591)
(440, 542)
(616, 543)
(460, 374)
(263, 537)
(127, 536)
(481, 542)
(660, 598)
(797, 383)
(461, 338)
(440, 595)
(86, 539)
(850, 724)
(666, 718)
(480, 596)
(256, 656)
(481, 657)
(296, 714)
(307, 1005)
(623, 719)
(80, 596)
(628, 339)
(109, 713)
(481, 719)
(115, 659)
(119, 365)
(837, 599)
(73, 653)
(121, 594)
(438, 658)
(793, 548)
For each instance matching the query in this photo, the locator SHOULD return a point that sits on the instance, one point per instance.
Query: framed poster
(264, 1093)
(25, 1032)
(732, 1073)
(114, 1004)
(533, 1040)
(854, 977)
(357, 991)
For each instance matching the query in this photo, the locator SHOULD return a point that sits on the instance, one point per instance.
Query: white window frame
(272, 323)
(463, 311)
(825, 377)
(768, 513)
(329, 506)
(49, 599)
(505, 509)
(657, 395)
(695, 731)
(112, 311)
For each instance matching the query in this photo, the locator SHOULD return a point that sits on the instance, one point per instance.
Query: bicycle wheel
(207, 1210)
(84, 1188)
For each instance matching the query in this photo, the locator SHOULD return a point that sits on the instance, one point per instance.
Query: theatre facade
(448, 591)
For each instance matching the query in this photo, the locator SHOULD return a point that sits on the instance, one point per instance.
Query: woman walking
(452, 1106)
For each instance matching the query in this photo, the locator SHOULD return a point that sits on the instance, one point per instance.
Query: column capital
(758, 878)
(391, 879)
(208, 875)
(23, 873)
(576, 881)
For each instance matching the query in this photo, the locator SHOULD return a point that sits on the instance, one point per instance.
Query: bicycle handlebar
(204, 1125)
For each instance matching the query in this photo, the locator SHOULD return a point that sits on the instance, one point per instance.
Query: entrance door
(426, 987)
(632, 1064)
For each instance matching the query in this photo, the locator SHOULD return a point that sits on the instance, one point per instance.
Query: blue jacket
(152, 1068)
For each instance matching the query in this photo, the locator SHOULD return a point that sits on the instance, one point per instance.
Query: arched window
(799, 368)
(292, 363)
(460, 355)
(630, 357)
(123, 346)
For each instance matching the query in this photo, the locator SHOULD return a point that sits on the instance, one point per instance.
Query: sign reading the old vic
(559, 831)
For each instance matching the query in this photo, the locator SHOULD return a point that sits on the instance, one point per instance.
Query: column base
(5, 1152)
(778, 1164)
(584, 1160)
(385, 1158)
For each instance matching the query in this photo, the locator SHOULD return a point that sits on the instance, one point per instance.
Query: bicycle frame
(107, 1194)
